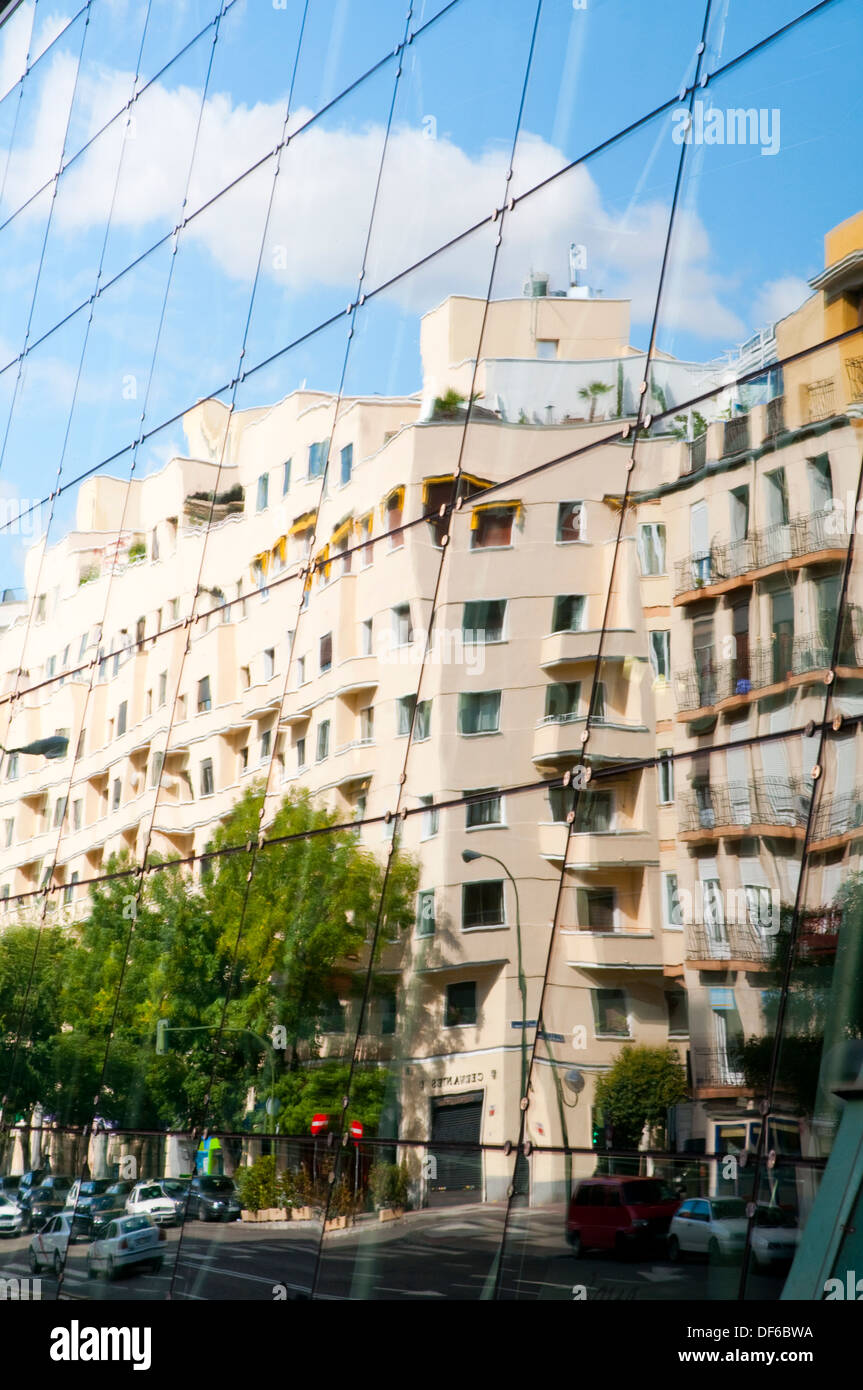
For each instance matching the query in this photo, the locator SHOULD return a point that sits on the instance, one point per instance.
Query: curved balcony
(571, 648)
(717, 1074)
(838, 820)
(813, 539)
(558, 741)
(764, 806)
(728, 946)
(611, 849)
(766, 668)
(612, 951)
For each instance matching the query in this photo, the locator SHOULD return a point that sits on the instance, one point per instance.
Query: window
(367, 554)
(598, 703)
(148, 703)
(347, 464)
(286, 478)
(479, 713)
(678, 1013)
(483, 620)
(4, 896)
(84, 644)
(609, 1013)
(594, 814)
(59, 810)
(665, 773)
(41, 602)
(366, 637)
(301, 753)
(77, 814)
(140, 630)
(207, 785)
(156, 768)
(301, 670)
(570, 522)
(244, 759)
(263, 492)
(115, 795)
(205, 702)
(671, 908)
(163, 689)
(12, 767)
(266, 742)
(326, 652)
(561, 701)
(181, 707)
(546, 348)
(82, 740)
(405, 707)
(430, 817)
(367, 724)
(50, 666)
(568, 613)
(597, 909)
(425, 912)
(395, 508)
(333, 1015)
(360, 805)
(560, 801)
(482, 903)
(403, 633)
(323, 744)
(68, 890)
(660, 655)
(387, 1011)
(460, 1010)
(422, 721)
(269, 663)
(651, 548)
(485, 812)
(121, 718)
(317, 458)
(175, 609)
(491, 526)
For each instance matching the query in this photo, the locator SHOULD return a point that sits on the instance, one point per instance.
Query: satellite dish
(574, 1081)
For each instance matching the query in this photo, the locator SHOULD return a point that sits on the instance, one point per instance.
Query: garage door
(455, 1121)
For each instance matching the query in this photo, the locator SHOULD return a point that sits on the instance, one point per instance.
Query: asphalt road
(451, 1253)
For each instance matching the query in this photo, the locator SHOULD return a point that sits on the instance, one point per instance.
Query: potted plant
(389, 1188)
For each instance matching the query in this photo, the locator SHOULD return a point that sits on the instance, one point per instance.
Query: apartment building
(261, 608)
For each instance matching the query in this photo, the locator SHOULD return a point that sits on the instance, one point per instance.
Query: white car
(11, 1217)
(775, 1236)
(48, 1246)
(714, 1226)
(128, 1242)
(150, 1199)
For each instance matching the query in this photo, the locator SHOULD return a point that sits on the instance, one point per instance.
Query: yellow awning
(395, 498)
(280, 547)
(261, 562)
(342, 532)
(495, 507)
(363, 524)
(322, 561)
(303, 523)
(471, 478)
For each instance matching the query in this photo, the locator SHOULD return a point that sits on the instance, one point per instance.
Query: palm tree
(592, 393)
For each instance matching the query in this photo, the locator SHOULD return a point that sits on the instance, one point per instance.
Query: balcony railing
(713, 1067)
(735, 436)
(854, 370)
(763, 664)
(763, 801)
(697, 453)
(818, 932)
(727, 942)
(776, 544)
(838, 814)
(820, 399)
(775, 416)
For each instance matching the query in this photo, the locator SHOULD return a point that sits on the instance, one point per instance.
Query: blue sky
(748, 234)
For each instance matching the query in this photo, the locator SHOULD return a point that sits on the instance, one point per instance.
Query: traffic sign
(319, 1123)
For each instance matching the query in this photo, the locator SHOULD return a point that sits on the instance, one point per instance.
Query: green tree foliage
(639, 1088)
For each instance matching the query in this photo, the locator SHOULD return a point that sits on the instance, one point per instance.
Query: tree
(592, 392)
(639, 1089)
(33, 962)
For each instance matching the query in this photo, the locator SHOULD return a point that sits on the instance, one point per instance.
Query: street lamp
(468, 855)
(54, 746)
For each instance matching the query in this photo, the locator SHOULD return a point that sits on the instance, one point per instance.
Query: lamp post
(468, 855)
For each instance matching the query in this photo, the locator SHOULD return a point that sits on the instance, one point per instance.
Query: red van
(618, 1214)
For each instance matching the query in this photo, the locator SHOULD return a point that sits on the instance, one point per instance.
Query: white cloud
(14, 42)
(779, 297)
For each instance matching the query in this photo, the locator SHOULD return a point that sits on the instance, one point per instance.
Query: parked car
(129, 1242)
(150, 1199)
(714, 1226)
(9, 1187)
(82, 1192)
(177, 1189)
(39, 1203)
(618, 1213)
(48, 1247)
(775, 1236)
(213, 1199)
(11, 1217)
(104, 1209)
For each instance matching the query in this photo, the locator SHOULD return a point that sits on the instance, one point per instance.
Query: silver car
(11, 1217)
(128, 1243)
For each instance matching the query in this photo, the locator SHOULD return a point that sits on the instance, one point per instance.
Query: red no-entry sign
(356, 1129)
(319, 1123)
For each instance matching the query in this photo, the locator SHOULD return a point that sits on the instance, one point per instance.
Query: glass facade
(430, 471)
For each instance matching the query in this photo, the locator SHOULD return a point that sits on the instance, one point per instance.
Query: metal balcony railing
(762, 801)
(712, 1066)
(820, 399)
(854, 371)
(763, 664)
(725, 941)
(837, 815)
(776, 544)
(775, 416)
(697, 451)
(818, 932)
(735, 436)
